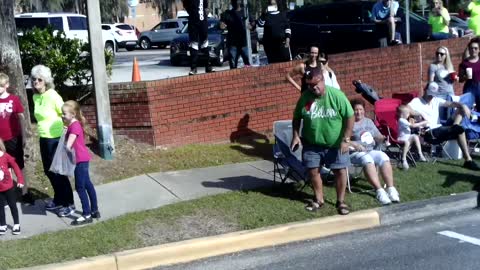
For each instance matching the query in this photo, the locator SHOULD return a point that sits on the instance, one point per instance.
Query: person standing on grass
(75, 139)
(47, 105)
(327, 127)
(8, 194)
(12, 129)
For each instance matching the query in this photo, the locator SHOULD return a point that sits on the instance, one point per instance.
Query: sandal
(342, 208)
(314, 206)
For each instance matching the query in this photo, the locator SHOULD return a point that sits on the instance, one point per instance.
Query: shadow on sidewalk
(252, 143)
(245, 182)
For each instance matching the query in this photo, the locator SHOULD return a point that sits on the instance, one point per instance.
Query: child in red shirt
(7, 190)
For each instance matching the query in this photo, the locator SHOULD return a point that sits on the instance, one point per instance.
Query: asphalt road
(441, 243)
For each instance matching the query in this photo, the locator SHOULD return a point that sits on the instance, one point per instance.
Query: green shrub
(67, 58)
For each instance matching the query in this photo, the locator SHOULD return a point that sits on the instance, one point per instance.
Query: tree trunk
(10, 62)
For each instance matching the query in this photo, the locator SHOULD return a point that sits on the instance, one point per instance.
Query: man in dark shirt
(234, 21)
(276, 34)
(197, 32)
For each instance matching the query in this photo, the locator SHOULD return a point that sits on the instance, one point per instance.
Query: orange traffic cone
(135, 71)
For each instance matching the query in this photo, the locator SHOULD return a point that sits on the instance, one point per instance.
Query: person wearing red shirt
(12, 128)
(7, 190)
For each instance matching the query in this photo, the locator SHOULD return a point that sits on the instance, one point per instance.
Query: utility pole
(247, 23)
(102, 99)
(407, 19)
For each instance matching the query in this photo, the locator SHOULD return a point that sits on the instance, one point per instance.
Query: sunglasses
(37, 79)
(323, 62)
(440, 53)
(474, 48)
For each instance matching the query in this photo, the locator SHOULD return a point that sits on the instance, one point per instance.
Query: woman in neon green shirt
(474, 21)
(439, 20)
(48, 111)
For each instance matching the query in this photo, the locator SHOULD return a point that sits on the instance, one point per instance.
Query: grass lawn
(220, 213)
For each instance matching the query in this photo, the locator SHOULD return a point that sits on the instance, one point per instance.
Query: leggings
(8, 197)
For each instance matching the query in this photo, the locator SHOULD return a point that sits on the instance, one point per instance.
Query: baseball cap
(432, 89)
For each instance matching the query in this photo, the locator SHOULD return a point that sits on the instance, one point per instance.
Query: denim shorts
(315, 156)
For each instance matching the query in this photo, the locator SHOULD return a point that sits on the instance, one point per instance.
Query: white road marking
(461, 237)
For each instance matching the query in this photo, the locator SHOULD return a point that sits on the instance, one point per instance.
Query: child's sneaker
(423, 159)
(96, 214)
(393, 194)
(3, 229)
(82, 220)
(16, 229)
(65, 212)
(51, 206)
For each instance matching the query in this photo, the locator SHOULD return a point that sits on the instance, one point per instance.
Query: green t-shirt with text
(323, 117)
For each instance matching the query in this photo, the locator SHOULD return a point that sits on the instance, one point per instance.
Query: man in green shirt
(327, 127)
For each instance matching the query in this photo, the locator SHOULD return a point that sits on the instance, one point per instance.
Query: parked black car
(344, 26)
(179, 50)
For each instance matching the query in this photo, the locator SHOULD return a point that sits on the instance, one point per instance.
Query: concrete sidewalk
(148, 191)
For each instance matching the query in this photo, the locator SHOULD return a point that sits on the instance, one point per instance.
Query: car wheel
(145, 43)
(219, 59)
(110, 48)
(174, 61)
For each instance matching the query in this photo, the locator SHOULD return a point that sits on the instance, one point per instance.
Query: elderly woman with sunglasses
(469, 70)
(48, 113)
(441, 71)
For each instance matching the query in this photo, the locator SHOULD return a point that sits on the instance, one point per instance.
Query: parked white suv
(124, 34)
(74, 26)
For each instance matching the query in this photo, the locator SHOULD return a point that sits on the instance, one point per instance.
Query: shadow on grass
(252, 143)
(452, 177)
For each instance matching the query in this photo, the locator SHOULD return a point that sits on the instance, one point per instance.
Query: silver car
(162, 34)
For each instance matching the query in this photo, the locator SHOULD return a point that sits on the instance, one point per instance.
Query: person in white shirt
(428, 106)
(405, 135)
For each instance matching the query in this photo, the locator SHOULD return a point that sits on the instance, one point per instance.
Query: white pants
(374, 156)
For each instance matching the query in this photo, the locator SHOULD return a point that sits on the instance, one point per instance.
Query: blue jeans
(440, 36)
(63, 193)
(85, 189)
(235, 52)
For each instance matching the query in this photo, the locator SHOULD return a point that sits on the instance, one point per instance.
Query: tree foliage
(67, 58)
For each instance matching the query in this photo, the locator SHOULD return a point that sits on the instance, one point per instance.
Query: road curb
(418, 210)
(200, 248)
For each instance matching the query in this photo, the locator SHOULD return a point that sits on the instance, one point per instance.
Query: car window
(346, 16)
(77, 23)
(213, 27)
(161, 26)
(29, 23)
(311, 15)
(57, 23)
(124, 27)
(172, 25)
(106, 27)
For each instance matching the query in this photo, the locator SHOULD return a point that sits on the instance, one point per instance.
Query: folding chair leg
(348, 182)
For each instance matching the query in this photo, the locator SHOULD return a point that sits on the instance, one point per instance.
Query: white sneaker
(16, 229)
(393, 194)
(3, 229)
(405, 165)
(382, 197)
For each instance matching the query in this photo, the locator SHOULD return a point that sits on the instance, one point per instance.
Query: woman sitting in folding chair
(365, 136)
